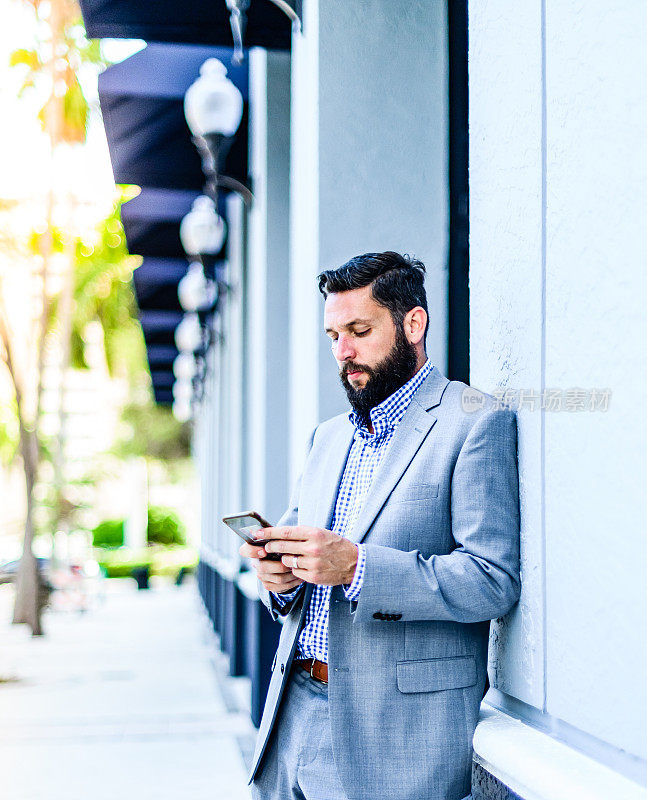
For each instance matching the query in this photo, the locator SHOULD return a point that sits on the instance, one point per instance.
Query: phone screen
(244, 525)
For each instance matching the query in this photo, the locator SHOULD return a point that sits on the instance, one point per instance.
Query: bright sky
(82, 172)
(24, 165)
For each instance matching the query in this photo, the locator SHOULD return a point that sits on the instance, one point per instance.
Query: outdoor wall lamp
(195, 291)
(193, 338)
(181, 410)
(183, 391)
(184, 366)
(213, 107)
(202, 230)
(188, 334)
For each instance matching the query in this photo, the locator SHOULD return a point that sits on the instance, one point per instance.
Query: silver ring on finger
(295, 562)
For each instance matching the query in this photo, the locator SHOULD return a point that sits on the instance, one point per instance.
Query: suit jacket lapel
(407, 439)
(331, 471)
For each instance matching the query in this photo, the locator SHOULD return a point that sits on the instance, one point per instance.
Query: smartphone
(244, 525)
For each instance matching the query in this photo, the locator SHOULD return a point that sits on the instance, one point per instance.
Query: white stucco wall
(558, 110)
(369, 168)
(596, 327)
(266, 430)
(506, 286)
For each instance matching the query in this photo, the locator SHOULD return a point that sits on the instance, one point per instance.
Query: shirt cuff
(352, 591)
(283, 598)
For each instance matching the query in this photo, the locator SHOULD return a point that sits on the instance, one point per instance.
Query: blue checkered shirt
(366, 453)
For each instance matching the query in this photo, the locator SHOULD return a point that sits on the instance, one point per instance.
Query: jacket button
(397, 616)
(378, 615)
(282, 668)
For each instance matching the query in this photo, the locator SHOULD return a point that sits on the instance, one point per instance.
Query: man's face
(373, 355)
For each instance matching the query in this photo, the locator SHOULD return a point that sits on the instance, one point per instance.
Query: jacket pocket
(435, 674)
(416, 491)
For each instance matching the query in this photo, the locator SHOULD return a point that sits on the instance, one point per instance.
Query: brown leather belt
(316, 669)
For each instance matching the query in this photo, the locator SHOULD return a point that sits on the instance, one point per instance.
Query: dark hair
(397, 281)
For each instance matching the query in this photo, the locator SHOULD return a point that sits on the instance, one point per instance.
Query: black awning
(161, 356)
(159, 326)
(152, 221)
(156, 283)
(159, 335)
(200, 22)
(163, 396)
(142, 102)
(162, 379)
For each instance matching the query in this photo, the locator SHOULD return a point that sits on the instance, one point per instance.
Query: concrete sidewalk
(128, 700)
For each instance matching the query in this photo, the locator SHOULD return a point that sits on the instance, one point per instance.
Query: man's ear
(415, 322)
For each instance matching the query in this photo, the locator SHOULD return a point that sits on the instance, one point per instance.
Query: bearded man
(401, 542)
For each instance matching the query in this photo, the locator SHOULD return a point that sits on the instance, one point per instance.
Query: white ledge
(248, 584)
(538, 767)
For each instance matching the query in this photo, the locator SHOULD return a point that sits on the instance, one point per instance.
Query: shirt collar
(388, 414)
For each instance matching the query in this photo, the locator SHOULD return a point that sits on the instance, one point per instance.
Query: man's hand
(323, 557)
(274, 575)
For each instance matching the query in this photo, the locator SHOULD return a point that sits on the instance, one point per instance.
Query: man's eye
(362, 333)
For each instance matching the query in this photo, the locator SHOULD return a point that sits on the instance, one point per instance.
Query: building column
(267, 278)
(368, 171)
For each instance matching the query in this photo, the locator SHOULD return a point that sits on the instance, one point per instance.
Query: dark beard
(384, 379)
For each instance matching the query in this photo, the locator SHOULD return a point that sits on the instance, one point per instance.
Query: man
(400, 544)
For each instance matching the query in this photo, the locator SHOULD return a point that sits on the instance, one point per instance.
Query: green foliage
(164, 527)
(103, 291)
(109, 533)
(64, 112)
(152, 431)
(75, 112)
(160, 561)
(9, 432)
(36, 241)
(24, 57)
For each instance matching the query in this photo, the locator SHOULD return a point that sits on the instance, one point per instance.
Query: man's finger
(286, 587)
(303, 575)
(296, 547)
(304, 562)
(270, 567)
(279, 581)
(291, 533)
(251, 551)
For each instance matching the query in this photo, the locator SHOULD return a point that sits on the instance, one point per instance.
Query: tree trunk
(30, 591)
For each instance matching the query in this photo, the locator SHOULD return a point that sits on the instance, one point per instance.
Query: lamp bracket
(293, 9)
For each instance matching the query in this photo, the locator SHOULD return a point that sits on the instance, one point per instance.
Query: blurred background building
(502, 145)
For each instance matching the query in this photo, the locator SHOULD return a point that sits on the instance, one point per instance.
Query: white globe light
(213, 104)
(188, 334)
(183, 391)
(202, 231)
(195, 291)
(181, 410)
(184, 366)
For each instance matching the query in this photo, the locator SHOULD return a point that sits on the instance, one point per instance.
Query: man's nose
(345, 349)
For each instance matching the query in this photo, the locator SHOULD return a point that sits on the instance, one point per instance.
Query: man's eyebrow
(351, 324)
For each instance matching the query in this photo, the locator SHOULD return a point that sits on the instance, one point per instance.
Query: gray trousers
(298, 764)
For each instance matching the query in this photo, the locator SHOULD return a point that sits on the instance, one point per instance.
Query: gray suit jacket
(408, 660)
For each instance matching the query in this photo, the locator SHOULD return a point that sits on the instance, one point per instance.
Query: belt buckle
(312, 669)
